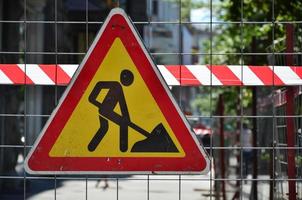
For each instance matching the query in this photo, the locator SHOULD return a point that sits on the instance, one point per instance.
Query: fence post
(254, 188)
(291, 167)
(238, 141)
(255, 151)
(222, 157)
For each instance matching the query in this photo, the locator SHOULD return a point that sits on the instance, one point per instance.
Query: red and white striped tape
(186, 75)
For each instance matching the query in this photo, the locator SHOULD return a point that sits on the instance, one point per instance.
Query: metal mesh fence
(176, 32)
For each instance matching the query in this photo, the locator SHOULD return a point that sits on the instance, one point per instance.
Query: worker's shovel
(156, 141)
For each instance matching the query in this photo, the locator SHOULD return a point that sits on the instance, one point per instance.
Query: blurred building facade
(43, 32)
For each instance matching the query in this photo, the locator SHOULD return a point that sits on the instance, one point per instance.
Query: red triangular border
(117, 25)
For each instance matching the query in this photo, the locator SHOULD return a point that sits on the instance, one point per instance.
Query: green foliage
(186, 6)
(230, 95)
(230, 39)
(252, 37)
(202, 104)
(265, 156)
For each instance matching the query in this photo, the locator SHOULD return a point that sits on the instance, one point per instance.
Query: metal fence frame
(179, 179)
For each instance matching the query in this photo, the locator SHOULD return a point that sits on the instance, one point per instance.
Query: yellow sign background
(84, 121)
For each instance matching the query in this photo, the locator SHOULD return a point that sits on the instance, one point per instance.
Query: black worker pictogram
(158, 140)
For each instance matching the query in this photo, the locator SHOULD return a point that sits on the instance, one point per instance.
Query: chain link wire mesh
(176, 32)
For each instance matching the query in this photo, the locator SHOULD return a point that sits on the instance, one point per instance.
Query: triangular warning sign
(117, 115)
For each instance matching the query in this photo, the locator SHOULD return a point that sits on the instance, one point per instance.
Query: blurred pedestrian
(247, 144)
(105, 182)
